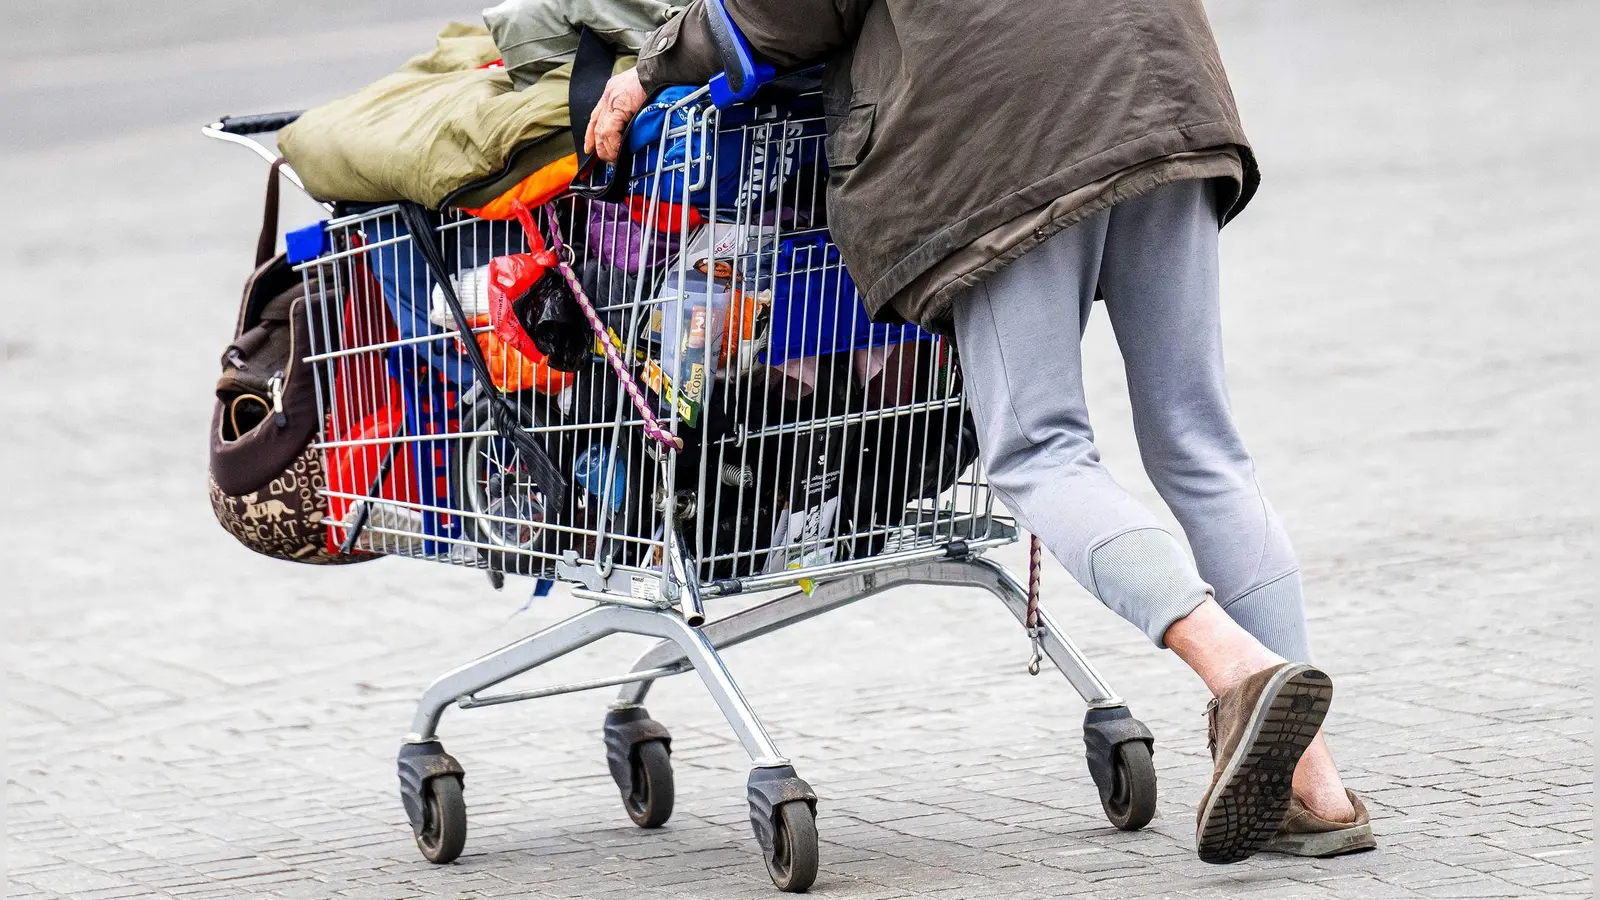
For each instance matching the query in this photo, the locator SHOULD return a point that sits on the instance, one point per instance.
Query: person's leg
(1160, 282)
(1018, 335)
(1019, 338)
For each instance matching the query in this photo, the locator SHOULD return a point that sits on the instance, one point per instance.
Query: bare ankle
(1329, 807)
(1225, 679)
(1216, 648)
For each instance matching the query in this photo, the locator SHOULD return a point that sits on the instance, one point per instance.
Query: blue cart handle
(741, 74)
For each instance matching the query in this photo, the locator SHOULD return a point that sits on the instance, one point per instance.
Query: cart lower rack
(704, 411)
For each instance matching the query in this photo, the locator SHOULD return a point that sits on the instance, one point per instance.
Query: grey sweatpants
(1154, 259)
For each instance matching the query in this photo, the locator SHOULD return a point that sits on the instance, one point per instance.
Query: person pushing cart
(993, 170)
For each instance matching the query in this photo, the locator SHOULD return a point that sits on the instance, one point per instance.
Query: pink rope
(641, 404)
(1035, 576)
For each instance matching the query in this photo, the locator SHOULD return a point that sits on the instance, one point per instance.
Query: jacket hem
(934, 312)
(1106, 163)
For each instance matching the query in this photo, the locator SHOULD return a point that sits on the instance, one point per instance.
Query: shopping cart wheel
(783, 815)
(792, 861)
(444, 831)
(649, 803)
(430, 789)
(639, 754)
(1119, 751)
(503, 510)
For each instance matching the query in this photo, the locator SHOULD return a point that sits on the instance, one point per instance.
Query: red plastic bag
(670, 217)
(511, 277)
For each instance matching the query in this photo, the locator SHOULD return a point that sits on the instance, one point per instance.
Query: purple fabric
(620, 242)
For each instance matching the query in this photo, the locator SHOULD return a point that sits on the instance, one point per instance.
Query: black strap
(591, 70)
(506, 420)
(364, 511)
(267, 243)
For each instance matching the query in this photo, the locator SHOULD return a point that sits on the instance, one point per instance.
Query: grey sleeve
(536, 36)
(783, 32)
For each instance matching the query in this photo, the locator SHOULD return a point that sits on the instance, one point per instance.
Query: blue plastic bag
(816, 309)
(748, 164)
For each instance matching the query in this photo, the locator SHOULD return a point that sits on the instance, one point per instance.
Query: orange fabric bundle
(533, 192)
(511, 371)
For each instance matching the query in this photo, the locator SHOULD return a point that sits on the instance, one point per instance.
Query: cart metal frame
(686, 647)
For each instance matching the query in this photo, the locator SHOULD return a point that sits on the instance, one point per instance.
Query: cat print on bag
(288, 522)
(267, 480)
(271, 510)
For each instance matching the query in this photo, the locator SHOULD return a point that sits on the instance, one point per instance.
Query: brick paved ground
(1411, 337)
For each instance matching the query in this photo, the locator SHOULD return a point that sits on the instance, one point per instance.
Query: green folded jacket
(535, 36)
(441, 131)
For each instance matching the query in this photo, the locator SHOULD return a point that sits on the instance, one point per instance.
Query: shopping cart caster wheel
(783, 815)
(1119, 751)
(639, 755)
(649, 802)
(792, 861)
(444, 832)
(430, 789)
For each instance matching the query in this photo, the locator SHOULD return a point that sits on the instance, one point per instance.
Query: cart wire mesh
(813, 437)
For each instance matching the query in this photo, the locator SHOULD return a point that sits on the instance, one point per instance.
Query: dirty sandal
(1259, 730)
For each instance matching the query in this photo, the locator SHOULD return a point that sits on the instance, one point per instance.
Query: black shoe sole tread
(1245, 812)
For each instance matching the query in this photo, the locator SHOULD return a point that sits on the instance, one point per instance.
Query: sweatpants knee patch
(1274, 612)
(1145, 577)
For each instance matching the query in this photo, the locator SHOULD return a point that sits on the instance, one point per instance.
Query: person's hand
(624, 97)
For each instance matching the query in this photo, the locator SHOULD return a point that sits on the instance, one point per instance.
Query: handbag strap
(507, 422)
(591, 71)
(267, 243)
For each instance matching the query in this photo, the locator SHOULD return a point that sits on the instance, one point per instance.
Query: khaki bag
(443, 131)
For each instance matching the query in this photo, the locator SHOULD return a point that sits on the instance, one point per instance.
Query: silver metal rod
(983, 533)
(754, 622)
(579, 631)
(855, 566)
(452, 436)
(784, 611)
(817, 424)
(373, 348)
(482, 517)
(725, 691)
(688, 581)
(1060, 649)
(509, 661)
(571, 687)
(613, 599)
(215, 132)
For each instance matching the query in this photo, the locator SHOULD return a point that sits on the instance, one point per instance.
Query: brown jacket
(965, 133)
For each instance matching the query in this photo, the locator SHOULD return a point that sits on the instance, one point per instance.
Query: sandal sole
(1323, 844)
(1244, 811)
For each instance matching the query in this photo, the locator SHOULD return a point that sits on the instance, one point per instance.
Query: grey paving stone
(1410, 340)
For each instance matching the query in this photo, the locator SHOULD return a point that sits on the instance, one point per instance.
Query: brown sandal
(1304, 833)
(1259, 730)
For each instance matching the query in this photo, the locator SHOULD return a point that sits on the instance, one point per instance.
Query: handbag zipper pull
(275, 388)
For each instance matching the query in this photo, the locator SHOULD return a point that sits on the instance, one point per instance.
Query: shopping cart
(736, 426)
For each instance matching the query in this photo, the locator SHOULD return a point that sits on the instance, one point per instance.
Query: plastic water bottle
(599, 472)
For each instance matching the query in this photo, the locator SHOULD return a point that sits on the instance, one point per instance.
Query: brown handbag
(266, 477)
